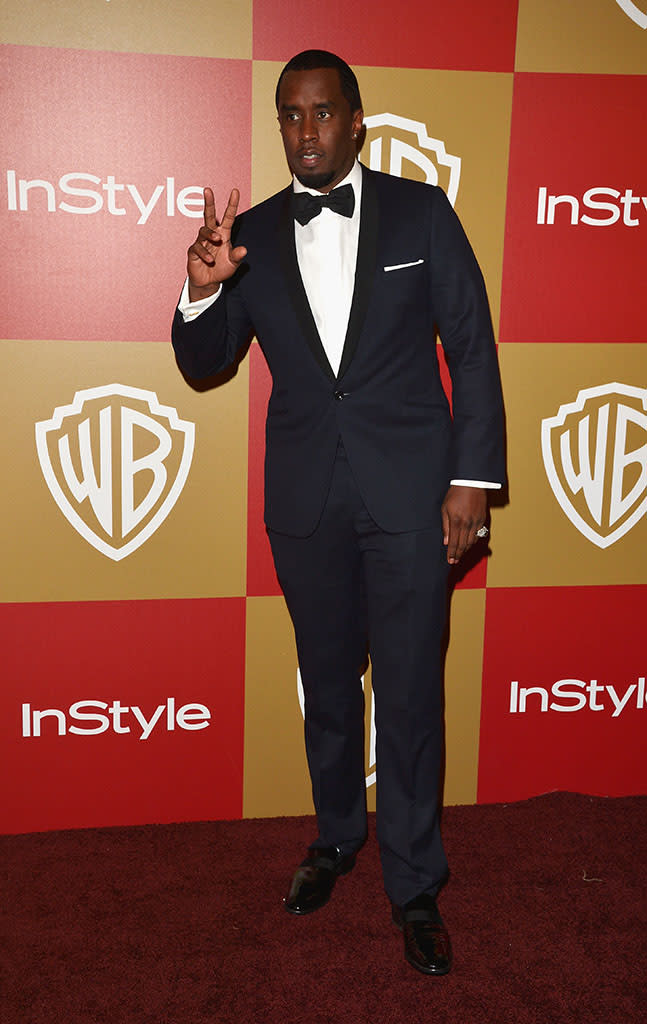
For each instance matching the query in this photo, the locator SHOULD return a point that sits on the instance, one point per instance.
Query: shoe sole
(309, 910)
(427, 970)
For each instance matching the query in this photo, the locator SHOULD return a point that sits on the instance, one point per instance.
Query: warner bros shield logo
(595, 454)
(394, 141)
(634, 12)
(115, 461)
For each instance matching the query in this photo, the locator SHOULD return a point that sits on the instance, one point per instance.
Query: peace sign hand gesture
(211, 259)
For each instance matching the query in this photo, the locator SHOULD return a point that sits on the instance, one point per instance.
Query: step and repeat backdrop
(148, 670)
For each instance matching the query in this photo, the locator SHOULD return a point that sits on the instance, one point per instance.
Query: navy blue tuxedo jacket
(386, 403)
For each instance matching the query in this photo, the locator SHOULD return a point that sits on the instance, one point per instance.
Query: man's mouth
(309, 157)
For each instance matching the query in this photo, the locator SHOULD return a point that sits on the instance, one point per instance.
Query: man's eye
(323, 115)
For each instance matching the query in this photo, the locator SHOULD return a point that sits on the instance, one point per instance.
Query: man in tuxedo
(372, 488)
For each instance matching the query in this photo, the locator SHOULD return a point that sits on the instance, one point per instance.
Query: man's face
(317, 127)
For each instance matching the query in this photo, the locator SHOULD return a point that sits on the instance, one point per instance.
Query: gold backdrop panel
(465, 115)
(578, 502)
(269, 168)
(114, 504)
(276, 777)
(197, 28)
(583, 36)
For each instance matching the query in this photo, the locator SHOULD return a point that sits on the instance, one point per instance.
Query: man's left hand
(463, 513)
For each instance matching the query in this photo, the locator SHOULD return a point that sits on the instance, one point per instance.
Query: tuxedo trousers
(354, 591)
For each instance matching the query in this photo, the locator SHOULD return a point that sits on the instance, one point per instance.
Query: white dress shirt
(327, 256)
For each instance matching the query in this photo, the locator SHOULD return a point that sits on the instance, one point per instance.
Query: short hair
(311, 60)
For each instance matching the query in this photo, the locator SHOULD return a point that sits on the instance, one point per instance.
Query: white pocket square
(403, 266)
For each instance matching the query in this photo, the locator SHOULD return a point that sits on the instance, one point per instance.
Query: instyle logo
(72, 194)
(89, 719)
(371, 731)
(595, 456)
(633, 12)
(115, 461)
(575, 695)
(607, 206)
(394, 141)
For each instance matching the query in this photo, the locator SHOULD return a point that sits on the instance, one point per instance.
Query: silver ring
(483, 532)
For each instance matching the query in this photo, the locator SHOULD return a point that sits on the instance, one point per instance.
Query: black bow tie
(340, 200)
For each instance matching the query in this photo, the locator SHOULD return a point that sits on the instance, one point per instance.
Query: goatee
(317, 180)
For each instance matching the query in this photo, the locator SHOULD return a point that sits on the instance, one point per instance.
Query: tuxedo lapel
(364, 272)
(296, 289)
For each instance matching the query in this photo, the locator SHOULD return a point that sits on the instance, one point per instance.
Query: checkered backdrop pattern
(148, 669)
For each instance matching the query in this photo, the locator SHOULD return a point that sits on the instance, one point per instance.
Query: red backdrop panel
(128, 132)
(576, 136)
(465, 34)
(583, 650)
(139, 653)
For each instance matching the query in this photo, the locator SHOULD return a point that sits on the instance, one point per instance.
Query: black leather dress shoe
(426, 940)
(315, 879)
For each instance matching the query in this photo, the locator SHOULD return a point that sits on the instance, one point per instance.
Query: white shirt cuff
(190, 310)
(476, 483)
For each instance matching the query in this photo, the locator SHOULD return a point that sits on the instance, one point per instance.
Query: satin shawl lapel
(295, 287)
(364, 272)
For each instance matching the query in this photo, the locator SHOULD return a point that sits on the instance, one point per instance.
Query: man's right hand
(211, 259)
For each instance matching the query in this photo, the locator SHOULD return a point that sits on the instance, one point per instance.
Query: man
(371, 488)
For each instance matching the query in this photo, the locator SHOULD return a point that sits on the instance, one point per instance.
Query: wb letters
(115, 461)
(595, 456)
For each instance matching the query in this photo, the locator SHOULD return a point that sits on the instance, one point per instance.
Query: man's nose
(308, 129)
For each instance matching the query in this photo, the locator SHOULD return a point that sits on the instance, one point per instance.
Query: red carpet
(183, 924)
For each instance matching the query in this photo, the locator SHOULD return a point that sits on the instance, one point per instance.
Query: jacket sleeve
(209, 343)
(462, 316)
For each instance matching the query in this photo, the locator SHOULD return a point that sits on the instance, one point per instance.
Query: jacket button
(339, 395)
